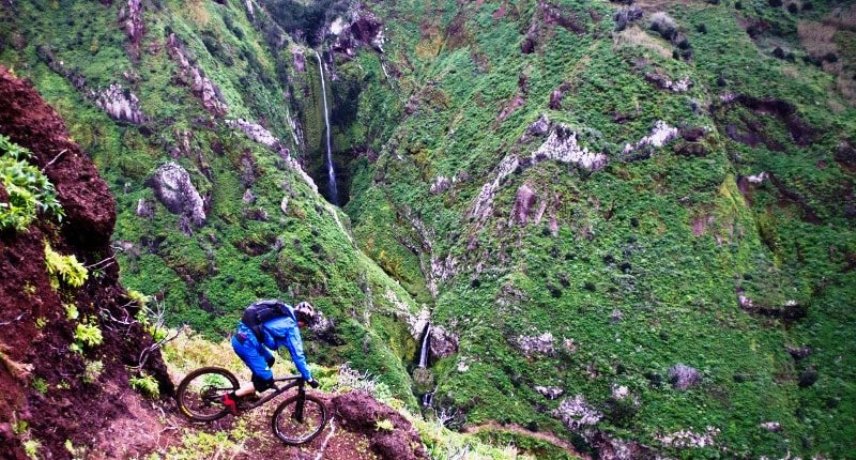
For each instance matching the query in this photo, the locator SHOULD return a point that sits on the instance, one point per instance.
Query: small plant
(40, 385)
(384, 425)
(64, 268)
(71, 312)
(145, 385)
(76, 452)
(88, 334)
(138, 297)
(31, 448)
(41, 322)
(93, 371)
(29, 191)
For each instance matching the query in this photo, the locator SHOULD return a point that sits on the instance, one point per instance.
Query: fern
(28, 189)
(146, 385)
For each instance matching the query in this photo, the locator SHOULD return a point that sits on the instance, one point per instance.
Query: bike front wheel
(200, 394)
(295, 425)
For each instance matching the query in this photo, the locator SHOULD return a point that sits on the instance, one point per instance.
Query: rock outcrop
(201, 86)
(361, 413)
(173, 187)
(121, 104)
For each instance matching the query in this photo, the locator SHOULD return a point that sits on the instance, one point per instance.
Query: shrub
(64, 268)
(145, 385)
(793, 8)
(29, 191)
(775, 3)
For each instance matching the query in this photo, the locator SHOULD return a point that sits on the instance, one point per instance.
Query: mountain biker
(253, 344)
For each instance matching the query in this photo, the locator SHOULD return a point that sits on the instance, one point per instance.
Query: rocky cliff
(70, 339)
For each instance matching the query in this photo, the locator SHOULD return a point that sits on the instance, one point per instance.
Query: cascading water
(423, 352)
(332, 189)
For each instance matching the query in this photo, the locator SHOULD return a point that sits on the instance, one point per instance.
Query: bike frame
(296, 381)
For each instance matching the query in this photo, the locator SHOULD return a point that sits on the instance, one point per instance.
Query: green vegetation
(87, 335)
(631, 269)
(27, 190)
(64, 268)
(145, 385)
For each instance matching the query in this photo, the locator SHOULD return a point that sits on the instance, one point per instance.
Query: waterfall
(331, 173)
(423, 353)
(427, 399)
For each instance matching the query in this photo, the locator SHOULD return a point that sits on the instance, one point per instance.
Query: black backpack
(263, 311)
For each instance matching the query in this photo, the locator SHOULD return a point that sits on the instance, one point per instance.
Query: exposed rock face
(560, 146)
(132, 21)
(550, 392)
(536, 345)
(193, 76)
(440, 185)
(523, 204)
(689, 439)
(172, 186)
(577, 414)
(261, 135)
(663, 82)
(361, 413)
(661, 134)
(799, 353)
(684, 377)
(362, 29)
(121, 104)
(442, 343)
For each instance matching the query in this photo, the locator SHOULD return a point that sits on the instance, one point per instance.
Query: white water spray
(331, 173)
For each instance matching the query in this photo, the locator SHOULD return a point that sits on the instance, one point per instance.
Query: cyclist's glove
(313, 383)
(270, 360)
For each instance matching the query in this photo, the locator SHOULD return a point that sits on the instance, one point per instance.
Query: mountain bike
(297, 420)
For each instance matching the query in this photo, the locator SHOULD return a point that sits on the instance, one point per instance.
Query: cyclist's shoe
(247, 402)
(231, 403)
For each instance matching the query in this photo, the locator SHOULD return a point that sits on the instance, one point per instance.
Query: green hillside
(632, 224)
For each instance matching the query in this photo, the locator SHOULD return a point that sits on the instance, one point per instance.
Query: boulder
(550, 392)
(684, 377)
(172, 186)
(536, 345)
(145, 209)
(120, 104)
(576, 413)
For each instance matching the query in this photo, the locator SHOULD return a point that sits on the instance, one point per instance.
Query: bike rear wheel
(292, 428)
(200, 394)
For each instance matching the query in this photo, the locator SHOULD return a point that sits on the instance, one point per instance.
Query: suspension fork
(301, 402)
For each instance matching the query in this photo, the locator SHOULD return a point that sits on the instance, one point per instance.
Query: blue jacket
(282, 332)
